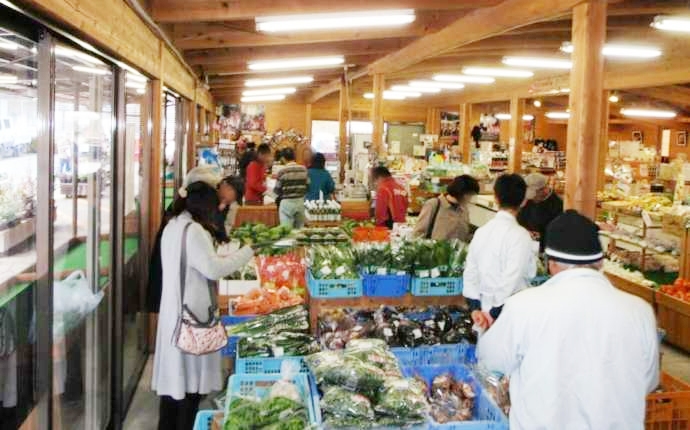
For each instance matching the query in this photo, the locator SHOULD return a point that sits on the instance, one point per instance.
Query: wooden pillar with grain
(191, 134)
(464, 138)
(517, 109)
(307, 121)
(377, 115)
(603, 142)
(342, 134)
(586, 106)
(155, 178)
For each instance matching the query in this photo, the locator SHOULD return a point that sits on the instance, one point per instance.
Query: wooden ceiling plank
(232, 10)
(676, 95)
(334, 85)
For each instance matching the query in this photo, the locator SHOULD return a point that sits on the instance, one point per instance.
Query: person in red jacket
(255, 183)
(391, 198)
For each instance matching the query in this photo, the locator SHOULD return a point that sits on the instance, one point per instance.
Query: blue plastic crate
(436, 286)
(386, 285)
(203, 419)
(259, 386)
(538, 280)
(254, 365)
(230, 349)
(334, 288)
(486, 414)
(436, 355)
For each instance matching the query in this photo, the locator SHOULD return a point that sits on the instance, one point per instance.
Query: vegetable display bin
(256, 365)
(436, 286)
(334, 288)
(386, 285)
(204, 419)
(259, 386)
(538, 280)
(436, 355)
(670, 408)
(486, 415)
(230, 349)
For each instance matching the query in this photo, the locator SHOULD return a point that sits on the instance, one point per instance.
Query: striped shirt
(292, 182)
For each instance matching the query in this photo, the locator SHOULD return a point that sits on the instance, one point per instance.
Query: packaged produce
(261, 301)
(332, 368)
(496, 385)
(402, 398)
(342, 403)
(333, 235)
(293, 319)
(680, 290)
(288, 270)
(271, 413)
(285, 343)
(439, 259)
(333, 262)
(259, 234)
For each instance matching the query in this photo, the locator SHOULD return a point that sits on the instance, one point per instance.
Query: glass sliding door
(82, 145)
(171, 157)
(18, 221)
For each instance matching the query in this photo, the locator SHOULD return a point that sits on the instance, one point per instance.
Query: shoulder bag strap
(183, 278)
(432, 223)
(183, 265)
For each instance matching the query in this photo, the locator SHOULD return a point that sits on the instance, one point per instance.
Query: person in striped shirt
(291, 187)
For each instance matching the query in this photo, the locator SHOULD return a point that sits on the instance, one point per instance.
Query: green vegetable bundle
(294, 319)
(276, 413)
(434, 259)
(333, 262)
(277, 345)
(251, 234)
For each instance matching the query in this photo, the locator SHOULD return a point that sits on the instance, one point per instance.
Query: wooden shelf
(645, 293)
(673, 315)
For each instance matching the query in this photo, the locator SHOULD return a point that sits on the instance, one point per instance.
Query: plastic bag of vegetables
(333, 262)
(402, 398)
(333, 368)
(343, 403)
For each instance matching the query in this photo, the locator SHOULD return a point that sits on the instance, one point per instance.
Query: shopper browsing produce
(447, 216)
(501, 258)
(188, 252)
(320, 180)
(391, 198)
(291, 187)
(256, 175)
(230, 196)
(579, 352)
(542, 207)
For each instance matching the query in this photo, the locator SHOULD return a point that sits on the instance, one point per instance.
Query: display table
(355, 209)
(673, 316)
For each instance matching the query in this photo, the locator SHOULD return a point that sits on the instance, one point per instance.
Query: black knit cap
(573, 239)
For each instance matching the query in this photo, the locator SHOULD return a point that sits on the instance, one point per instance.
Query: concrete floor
(143, 414)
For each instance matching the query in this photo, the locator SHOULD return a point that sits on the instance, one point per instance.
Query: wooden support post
(517, 109)
(603, 142)
(377, 115)
(203, 131)
(156, 147)
(191, 134)
(586, 105)
(464, 138)
(342, 119)
(307, 122)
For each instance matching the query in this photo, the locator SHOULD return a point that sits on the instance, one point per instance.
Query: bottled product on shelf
(323, 211)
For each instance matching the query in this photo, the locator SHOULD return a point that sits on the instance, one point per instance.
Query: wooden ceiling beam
(334, 85)
(233, 10)
(477, 25)
(674, 94)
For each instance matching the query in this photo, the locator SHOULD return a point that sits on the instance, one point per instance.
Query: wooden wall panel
(176, 76)
(286, 116)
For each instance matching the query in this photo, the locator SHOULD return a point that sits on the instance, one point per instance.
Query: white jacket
(174, 372)
(580, 354)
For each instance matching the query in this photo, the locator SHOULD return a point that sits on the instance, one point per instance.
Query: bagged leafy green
(343, 403)
(402, 398)
(337, 369)
(277, 345)
(346, 422)
(252, 414)
(376, 352)
(294, 319)
(333, 262)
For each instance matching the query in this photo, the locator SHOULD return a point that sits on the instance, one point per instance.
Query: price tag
(340, 270)
(325, 271)
(388, 332)
(442, 325)
(278, 351)
(435, 272)
(423, 273)
(429, 323)
(417, 333)
(381, 271)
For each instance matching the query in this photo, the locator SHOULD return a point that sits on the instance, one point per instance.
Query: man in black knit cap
(579, 352)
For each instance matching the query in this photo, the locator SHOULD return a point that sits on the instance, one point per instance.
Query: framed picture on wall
(637, 136)
(682, 138)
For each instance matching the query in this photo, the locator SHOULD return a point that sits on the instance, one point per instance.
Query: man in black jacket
(543, 206)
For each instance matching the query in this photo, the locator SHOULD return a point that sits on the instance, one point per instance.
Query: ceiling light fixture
(557, 115)
(8, 79)
(620, 51)
(297, 63)
(527, 117)
(464, 79)
(648, 113)
(507, 116)
(408, 89)
(672, 23)
(434, 84)
(387, 95)
(274, 82)
(497, 72)
(538, 62)
(266, 98)
(537, 103)
(6, 45)
(91, 70)
(614, 98)
(404, 93)
(330, 21)
(269, 91)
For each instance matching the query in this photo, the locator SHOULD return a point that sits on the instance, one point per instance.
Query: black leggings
(178, 414)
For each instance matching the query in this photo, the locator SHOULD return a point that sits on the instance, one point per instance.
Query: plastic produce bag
(402, 398)
(343, 403)
(285, 387)
(497, 385)
(73, 300)
(332, 368)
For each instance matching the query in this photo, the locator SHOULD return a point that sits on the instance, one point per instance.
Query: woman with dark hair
(447, 216)
(230, 190)
(187, 250)
(319, 179)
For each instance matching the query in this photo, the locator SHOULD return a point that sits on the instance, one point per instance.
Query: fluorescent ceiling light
(330, 21)
(91, 70)
(6, 45)
(538, 62)
(614, 98)
(269, 91)
(557, 115)
(8, 79)
(537, 103)
(297, 63)
(266, 98)
(464, 79)
(497, 72)
(507, 116)
(434, 84)
(648, 113)
(407, 89)
(620, 51)
(272, 82)
(404, 93)
(387, 95)
(672, 23)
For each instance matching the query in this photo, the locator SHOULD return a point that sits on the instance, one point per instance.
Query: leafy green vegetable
(333, 262)
(403, 398)
(343, 403)
(276, 413)
(294, 319)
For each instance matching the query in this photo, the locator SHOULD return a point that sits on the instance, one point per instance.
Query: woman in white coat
(181, 379)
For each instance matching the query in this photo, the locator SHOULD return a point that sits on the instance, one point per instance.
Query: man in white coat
(580, 353)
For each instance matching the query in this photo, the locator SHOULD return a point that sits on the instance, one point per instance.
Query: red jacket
(391, 200)
(256, 182)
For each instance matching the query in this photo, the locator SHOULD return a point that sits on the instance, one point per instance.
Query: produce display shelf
(673, 315)
(486, 415)
(436, 286)
(270, 366)
(645, 293)
(334, 288)
(386, 285)
(436, 355)
(204, 419)
(316, 305)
